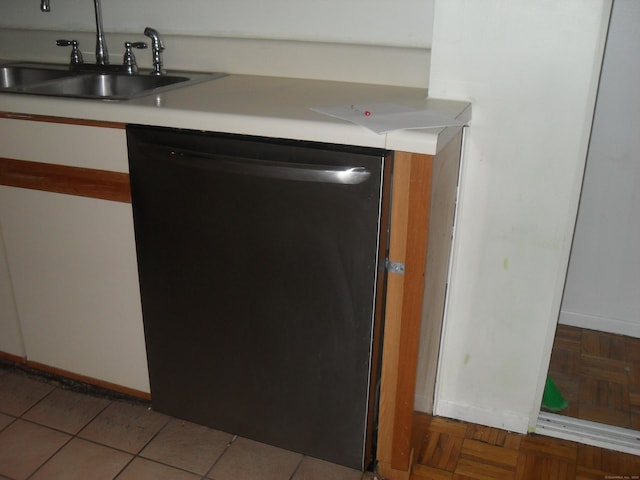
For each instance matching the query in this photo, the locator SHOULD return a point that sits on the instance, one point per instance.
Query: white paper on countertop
(386, 117)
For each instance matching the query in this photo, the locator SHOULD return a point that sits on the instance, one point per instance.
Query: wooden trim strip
(84, 182)
(132, 392)
(393, 318)
(413, 294)
(410, 209)
(10, 357)
(64, 120)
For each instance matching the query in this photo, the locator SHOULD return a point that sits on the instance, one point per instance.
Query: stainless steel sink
(105, 85)
(62, 81)
(17, 76)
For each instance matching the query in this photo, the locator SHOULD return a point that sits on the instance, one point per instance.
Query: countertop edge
(289, 119)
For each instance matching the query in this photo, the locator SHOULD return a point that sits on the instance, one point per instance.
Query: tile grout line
(75, 430)
(71, 437)
(133, 457)
(217, 460)
(138, 455)
(76, 436)
(20, 417)
(297, 467)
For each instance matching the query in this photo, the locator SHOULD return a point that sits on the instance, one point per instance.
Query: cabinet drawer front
(75, 145)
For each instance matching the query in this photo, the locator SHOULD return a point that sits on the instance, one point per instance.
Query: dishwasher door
(261, 281)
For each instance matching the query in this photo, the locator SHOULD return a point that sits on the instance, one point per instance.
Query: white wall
(380, 22)
(367, 41)
(530, 68)
(603, 281)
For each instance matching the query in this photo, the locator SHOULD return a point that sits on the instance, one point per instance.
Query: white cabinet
(10, 336)
(71, 258)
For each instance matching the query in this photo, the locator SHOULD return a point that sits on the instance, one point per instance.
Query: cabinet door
(10, 337)
(72, 258)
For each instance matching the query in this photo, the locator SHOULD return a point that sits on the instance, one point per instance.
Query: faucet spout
(102, 54)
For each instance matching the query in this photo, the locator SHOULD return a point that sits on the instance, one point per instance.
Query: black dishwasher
(261, 274)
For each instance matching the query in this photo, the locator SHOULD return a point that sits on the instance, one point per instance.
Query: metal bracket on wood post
(394, 267)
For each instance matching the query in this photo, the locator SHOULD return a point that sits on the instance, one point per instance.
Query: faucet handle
(76, 55)
(129, 60)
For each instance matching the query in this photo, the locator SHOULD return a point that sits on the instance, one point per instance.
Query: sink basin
(16, 76)
(105, 85)
(61, 81)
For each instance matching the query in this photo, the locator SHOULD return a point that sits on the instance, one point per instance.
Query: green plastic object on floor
(552, 399)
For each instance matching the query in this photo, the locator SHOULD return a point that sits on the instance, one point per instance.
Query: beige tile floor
(49, 432)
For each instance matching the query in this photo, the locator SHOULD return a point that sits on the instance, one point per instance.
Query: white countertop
(263, 106)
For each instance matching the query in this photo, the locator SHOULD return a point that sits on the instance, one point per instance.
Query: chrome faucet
(102, 54)
(157, 46)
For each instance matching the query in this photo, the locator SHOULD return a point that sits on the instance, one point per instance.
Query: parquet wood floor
(599, 375)
(452, 450)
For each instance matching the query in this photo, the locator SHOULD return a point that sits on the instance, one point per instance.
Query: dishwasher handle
(299, 172)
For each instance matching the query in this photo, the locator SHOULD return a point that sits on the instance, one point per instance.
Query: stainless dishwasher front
(262, 281)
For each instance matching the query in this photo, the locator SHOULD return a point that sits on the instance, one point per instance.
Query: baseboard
(589, 433)
(131, 392)
(49, 371)
(510, 421)
(9, 357)
(602, 324)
